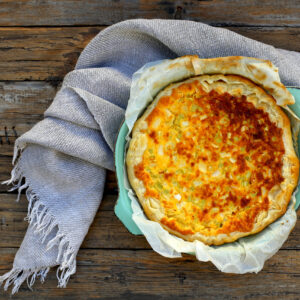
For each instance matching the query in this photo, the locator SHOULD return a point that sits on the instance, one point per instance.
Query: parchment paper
(246, 255)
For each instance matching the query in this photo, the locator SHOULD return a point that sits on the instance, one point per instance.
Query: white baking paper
(246, 255)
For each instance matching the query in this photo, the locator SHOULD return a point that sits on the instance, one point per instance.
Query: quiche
(212, 159)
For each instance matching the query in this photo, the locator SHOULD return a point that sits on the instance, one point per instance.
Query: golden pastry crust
(212, 159)
(213, 206)
(260, 71)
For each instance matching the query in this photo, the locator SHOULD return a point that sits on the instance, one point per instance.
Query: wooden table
(39, 43)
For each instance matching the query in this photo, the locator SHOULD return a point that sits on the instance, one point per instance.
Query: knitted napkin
(61, 161)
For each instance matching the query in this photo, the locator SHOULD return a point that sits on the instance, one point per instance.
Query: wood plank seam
(45, 13)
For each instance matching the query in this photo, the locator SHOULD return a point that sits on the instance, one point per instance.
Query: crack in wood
(178, 13)
(6, 136)
(15, 132)
(121, 271)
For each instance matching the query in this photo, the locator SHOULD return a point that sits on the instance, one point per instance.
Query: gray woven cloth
(61, 161)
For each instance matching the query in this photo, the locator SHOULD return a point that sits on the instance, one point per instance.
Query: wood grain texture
(143, 274)
(106, 12)
(22, 105)
(279, 37)
(105, 232)
(50, 53)
(41, 53)
(112, 263)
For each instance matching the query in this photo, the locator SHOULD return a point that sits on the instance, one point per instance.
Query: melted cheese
(211, 159)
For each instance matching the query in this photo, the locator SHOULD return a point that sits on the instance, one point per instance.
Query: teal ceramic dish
(123, 206)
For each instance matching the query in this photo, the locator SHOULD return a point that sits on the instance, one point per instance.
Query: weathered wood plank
(280, 37)
(105, 12)
(22, 105)
(106, 231)
(127, 274)
(7, 144)
(50, 53)
(41, 53)
(5, 170)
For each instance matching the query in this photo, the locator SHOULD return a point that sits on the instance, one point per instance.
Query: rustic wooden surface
(39, 43)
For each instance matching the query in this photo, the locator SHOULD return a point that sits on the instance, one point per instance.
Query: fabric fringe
(18, 276)
(44, 223)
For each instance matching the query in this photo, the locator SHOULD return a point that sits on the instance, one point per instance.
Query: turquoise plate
(123, 207)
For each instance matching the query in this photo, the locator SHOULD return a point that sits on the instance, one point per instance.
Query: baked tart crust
(212, 159)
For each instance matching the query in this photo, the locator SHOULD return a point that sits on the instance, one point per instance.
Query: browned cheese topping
(211, 160)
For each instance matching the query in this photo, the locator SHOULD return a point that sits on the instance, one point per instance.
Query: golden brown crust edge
(260, 71)
(291, 163)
